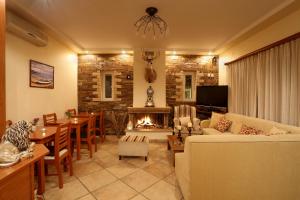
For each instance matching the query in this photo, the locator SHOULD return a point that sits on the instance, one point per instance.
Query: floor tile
(115, 191)
(52, 181)
(87, 197)
(139, 161)
(84, 168)
(162, 190)
(140, 180)
(97, 179)
(159, 169)
(139, 197)
(70, 191)
(121, 170)
(171, 179)
(106, 177)
(108, 160)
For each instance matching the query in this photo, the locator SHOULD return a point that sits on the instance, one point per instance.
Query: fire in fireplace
(146, 122)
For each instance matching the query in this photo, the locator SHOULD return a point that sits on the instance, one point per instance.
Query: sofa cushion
(277, 131)
(184, 120)
(235, 127)
(223, 125)
(212, 131)
(247, 130)
(215, 117)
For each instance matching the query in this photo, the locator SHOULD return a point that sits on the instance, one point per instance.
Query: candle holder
(179, 135)
(190, 131)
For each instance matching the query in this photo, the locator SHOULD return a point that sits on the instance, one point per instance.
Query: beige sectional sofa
(227, 166)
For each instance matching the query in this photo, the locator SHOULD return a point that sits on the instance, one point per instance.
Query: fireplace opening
(148, 118)
(148, 121)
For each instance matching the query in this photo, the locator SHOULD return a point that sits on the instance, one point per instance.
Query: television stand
(204, 112)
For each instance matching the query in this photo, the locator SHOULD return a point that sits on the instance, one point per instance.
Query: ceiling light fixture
(151, 23)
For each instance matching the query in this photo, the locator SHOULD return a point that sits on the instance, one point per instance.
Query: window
(188, 87)
(107, 87)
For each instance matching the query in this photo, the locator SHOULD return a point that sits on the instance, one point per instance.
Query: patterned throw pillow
(247, 130)
(223, 124)
(215, 117)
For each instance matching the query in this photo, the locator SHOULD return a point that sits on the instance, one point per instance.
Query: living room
(180, 100)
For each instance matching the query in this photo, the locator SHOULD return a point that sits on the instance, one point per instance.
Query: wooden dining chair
(88, 135)
(72, 111)
(100, 126)
(60, 152)
(50, 119)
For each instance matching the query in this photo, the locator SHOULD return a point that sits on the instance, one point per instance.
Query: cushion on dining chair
(51, 156)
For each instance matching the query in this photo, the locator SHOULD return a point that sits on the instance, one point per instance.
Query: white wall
(285, 27)
(140, 85)
(24, 102)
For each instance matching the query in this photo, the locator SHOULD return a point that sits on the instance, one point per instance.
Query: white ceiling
(196, 25)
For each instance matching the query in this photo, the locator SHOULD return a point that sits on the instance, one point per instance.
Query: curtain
(279, 83)
(267, 84)
(243, 86)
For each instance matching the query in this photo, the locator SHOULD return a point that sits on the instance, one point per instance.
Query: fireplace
(149, 118)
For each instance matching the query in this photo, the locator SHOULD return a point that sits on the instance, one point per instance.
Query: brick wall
(92, 67)
(90, 71)
(204, 68)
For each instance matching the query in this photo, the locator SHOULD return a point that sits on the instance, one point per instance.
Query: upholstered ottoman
(131, 145)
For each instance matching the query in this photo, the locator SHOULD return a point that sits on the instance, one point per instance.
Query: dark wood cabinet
(204, 112)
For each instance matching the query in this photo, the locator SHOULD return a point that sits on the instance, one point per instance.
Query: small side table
(175, 146)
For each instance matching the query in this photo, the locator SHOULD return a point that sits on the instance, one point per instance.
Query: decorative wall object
(149, 57)
(41, 75)
(90, 70)
(204, 68)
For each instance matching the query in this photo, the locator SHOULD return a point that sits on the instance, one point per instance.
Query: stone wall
(90, 71)
(92, 67)
(204, 68)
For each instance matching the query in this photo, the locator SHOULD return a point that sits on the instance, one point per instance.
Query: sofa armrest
(205, 123)
(196, 124)
(176, 122)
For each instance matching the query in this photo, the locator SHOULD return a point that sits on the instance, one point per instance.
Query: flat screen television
(212, 96)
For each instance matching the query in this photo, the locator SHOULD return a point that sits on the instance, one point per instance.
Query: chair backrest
(185, 111)
(49, 119)
(72, 111)
(62, 138)
(8, 123)
(92, 125)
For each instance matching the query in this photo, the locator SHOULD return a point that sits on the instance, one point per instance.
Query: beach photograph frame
(41, 75)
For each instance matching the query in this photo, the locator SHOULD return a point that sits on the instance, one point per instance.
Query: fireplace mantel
(132, 110)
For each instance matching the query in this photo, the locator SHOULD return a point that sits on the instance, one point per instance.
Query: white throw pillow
(235, 127)
(215, 117)
(184, 120)
(277, 131)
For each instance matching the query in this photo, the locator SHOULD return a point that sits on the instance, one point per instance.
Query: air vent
(25, 30)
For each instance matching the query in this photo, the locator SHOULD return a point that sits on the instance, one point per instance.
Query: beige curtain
(267, 84)
(243, 86)
(279, 83)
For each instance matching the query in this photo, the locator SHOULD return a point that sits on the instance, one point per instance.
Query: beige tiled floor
(105, 177)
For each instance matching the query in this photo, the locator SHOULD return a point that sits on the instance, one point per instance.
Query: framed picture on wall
(41, 75)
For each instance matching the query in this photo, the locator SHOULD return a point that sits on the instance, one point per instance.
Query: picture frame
(41, 75)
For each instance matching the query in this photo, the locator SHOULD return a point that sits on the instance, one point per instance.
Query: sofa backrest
(231, 167)
(185, 111)
(261, 124)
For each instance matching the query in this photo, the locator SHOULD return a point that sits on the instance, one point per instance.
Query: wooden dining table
(17, 181)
